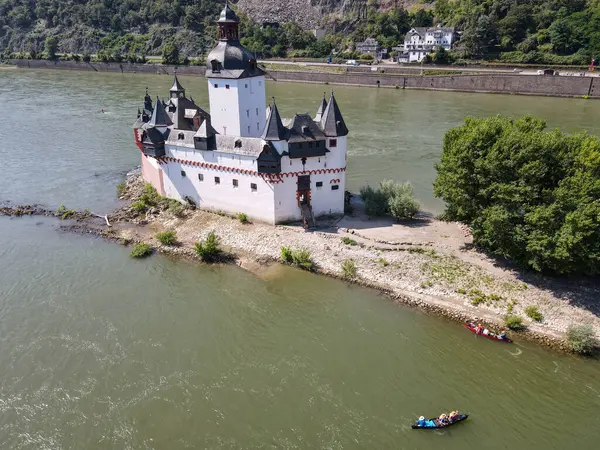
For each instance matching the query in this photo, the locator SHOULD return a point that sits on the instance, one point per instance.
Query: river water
(103, 352)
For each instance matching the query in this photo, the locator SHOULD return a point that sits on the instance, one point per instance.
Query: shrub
(65, 213)
(533, 313)
(286, 255)
(176, 208)
(303, 259)
(384, 262)
(529, 195)
(348, 241)
(348, 269)
(121, 189)
(139, 206)
(86, 58)
(209, 249)
(140, 250)
(514, 323)
(581, 338)
(395, 199)
(167, 237)
(243, 218)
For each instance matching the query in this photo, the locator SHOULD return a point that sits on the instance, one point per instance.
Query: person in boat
(453, 416)
(478, 329)
(502, 334)
(422, 422)
(485, 331)
(443, 419)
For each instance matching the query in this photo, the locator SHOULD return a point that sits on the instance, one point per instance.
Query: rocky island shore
(424, 263)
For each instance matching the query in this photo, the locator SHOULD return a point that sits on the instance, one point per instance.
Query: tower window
(226, 86)
(180, 136)
(333, 142)
(246, 85)
(200, 177)
(319, 184)
(216, 85)
(248, 128)
(247, 113)
(257, 111)
(257, 127)
(217, 180)
(183, 173)
(310, 145)
(335, 187)
(260, 83)
(235, 183)
(253, 187)
(317, 144)
(238, 143)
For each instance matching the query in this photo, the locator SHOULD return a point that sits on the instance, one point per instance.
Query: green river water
(103, 352)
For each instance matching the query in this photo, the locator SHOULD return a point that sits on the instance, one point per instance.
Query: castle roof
(230, 59)
(228, 15)
(304, 128)
(177, 87)
(332, 123)
(274, 129)
(245, 146)
(159, 116)
(321, 109)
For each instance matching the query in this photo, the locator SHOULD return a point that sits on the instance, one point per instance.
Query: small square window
(335, 187)
(226, 86)
(183, 173)
(200, 177)
(333, 142)
(216, 85)
(246, 85)
(253, 187)
(235, 183)
(217, 180)
(319, 184)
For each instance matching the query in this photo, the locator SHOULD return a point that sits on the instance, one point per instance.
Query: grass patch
(426, 284)
(477, 297)
(151, 198)
(348, 241)
(447, 268)
(511, 306)
(139, 206)
(167, 237)
(462, 291)
(209, 249)
(514, 322)
(533, 313)
(65, 213)
(349, 269)
(121, 187)
(301, 258)
(384, 262)
(140, 250)
(581, 339)
(243, 218)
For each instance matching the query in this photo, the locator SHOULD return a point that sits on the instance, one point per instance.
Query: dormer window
(181, 136)
(215, 65)
(238, 144)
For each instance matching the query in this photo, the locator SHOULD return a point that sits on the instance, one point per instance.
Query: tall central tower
(236, 85)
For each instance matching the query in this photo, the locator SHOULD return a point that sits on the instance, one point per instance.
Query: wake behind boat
(480, 331)
(435, 423)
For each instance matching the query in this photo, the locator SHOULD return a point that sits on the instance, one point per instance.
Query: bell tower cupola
(236, 84)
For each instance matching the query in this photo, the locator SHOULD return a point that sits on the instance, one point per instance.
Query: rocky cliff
(309, 13)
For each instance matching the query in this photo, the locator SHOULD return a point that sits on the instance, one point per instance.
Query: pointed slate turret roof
(177, 87)
(332, 122)
(228, 15)
(159, 116)
(274, 129)
(321, 109)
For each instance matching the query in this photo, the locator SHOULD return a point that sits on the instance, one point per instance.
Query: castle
(243, 157)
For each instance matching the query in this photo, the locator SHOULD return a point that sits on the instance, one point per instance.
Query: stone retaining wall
(492, 83)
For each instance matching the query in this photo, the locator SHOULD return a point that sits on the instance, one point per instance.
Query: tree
(440, 56)
(51, 46)
(529, 195)
(170, 53)
(422, 18)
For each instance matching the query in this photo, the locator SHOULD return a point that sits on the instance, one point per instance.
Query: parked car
(352, 62)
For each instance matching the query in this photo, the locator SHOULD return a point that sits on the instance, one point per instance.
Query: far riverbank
(500, 83)
(424, 263)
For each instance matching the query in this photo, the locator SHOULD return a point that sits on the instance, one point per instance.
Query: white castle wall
(238, 107)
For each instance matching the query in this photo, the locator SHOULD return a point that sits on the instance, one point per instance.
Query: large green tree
(530, 195)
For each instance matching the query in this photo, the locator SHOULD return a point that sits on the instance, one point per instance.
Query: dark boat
(493, 337)
(458, 419)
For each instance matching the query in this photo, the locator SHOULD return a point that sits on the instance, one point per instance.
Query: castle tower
(236, 85)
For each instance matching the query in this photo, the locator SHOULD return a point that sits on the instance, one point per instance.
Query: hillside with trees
(515, 31)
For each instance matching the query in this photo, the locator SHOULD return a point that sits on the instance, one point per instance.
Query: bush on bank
(209, 249)
(529, 195)
(390, 199)
(581, 339)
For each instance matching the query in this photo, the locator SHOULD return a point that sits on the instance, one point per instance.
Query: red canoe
(489, 336)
